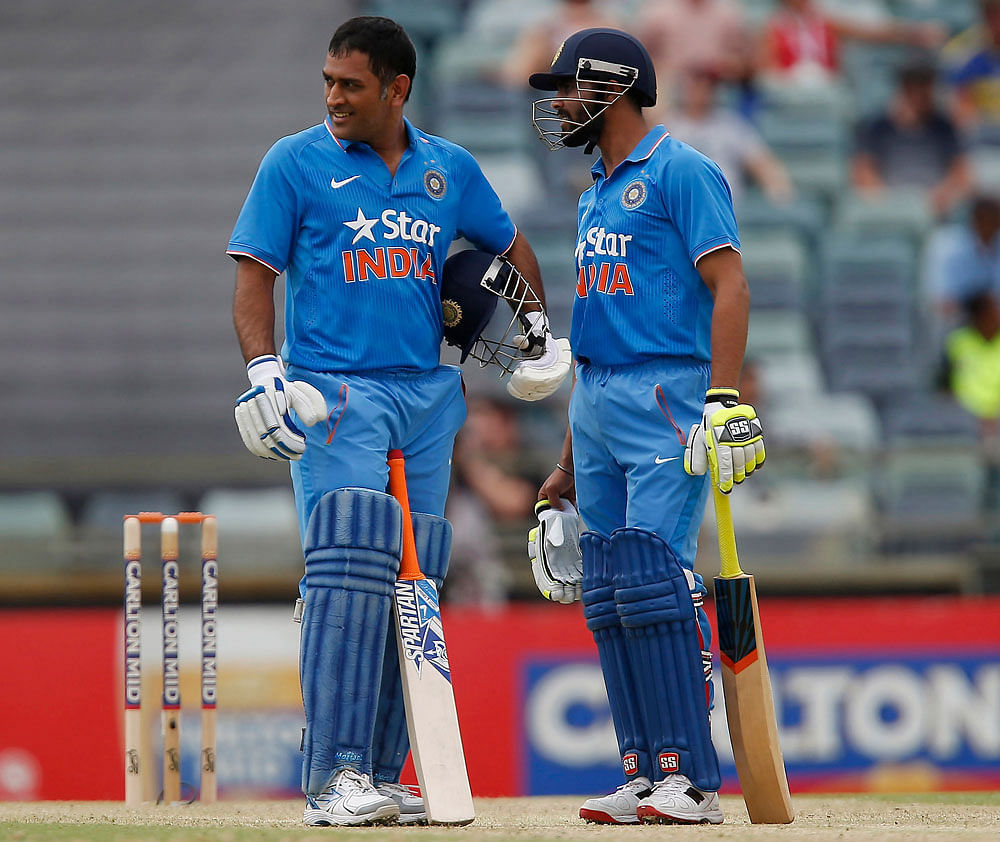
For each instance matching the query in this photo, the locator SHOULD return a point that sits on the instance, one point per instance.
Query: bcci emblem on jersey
(435, 184)
(634, 195)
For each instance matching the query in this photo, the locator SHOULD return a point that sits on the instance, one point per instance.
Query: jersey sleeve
(700, 204)
(267, 225)
(481, 217)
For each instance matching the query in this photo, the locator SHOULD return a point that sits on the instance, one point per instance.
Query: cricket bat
(431, 715)
(746, 683)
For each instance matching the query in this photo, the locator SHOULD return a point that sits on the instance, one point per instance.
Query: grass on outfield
(935, 817)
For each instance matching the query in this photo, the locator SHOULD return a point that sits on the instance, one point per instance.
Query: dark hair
(917, 73)
(389, 49)
(985, 208)
(637, 98)
(977, 304)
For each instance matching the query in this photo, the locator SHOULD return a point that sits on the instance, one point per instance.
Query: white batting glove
(538, 377)
(728, 442)
(554, 552)
(263, 412)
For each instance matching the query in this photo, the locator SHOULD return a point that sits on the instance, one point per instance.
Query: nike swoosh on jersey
(660, 461)
(336, 185)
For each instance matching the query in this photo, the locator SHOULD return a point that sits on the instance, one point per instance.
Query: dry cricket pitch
(943, 816)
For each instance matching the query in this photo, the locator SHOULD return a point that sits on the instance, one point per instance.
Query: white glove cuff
(538, 322)
(262, 370)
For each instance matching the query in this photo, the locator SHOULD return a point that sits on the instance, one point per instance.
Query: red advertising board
(879, 693)
(60, 705)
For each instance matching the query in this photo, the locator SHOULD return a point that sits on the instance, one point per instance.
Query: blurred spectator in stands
(973, 62)
(962, 261)
(691, 35)
(536, 46)
(913, 144)
(727, 138)
(973, 364)
(815, 446)
(801, 41)
(489, 493)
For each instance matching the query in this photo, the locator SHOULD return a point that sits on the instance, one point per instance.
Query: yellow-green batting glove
(728, 442)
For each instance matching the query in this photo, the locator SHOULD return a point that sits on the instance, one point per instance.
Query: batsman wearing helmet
(358, 212)
(658, 332)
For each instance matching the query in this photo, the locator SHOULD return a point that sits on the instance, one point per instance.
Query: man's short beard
(587, 134)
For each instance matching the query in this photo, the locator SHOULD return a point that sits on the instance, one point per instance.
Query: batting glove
(546, 364)
(263, 412)
(554, 552)
(728, 442)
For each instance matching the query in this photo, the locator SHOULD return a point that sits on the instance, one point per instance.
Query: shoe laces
(348, 780)
(635, 786)
(389, 787)
(674, 784)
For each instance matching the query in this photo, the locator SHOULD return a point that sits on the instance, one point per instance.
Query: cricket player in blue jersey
(658, 332)
(358, 212)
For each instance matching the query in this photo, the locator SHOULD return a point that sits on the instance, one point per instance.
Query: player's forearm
(729, 333)
(253, 309)
(722, 271)
(523, 258)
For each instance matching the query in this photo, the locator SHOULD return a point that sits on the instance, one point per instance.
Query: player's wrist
(262, 370)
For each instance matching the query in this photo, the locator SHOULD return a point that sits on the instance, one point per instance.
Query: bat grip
(409, 565)
(730, 561)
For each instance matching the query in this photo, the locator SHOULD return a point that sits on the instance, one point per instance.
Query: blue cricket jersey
(362, 250)
(640, 233)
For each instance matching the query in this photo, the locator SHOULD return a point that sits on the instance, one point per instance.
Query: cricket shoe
(408, 799)
(675, 800)
(350, 799)
(618, 807)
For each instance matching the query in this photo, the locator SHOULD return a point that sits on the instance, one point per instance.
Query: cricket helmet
(605, 64)
(472, 282)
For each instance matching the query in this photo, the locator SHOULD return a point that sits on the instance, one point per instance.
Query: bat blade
(746, 684)
(431, 714)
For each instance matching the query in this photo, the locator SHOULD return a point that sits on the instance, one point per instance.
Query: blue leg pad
(432, 535)
(601, 612)
(352, 549)
(653, 593)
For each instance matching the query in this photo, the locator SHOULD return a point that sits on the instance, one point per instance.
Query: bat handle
(730, 567)
(409, 566)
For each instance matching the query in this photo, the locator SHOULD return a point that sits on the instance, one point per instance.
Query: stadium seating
(117, 294)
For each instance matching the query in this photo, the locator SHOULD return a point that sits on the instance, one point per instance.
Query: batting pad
(601, 612)
(653, 595)
(432, 536)
(352, 549)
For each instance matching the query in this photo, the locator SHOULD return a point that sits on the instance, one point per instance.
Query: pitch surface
(864, 818)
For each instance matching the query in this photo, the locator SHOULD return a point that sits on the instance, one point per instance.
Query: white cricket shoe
(350, 799)
(408, 799)
(618, 807)
(675, 800)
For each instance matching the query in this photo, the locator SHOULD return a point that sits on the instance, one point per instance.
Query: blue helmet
(472, 282)
(605, 64)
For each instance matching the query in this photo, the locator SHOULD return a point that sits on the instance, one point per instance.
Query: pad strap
(601, 613)
(653, 595)
(352, 549)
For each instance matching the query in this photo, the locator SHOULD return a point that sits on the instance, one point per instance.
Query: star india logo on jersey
(363, 264)
(595, 273)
